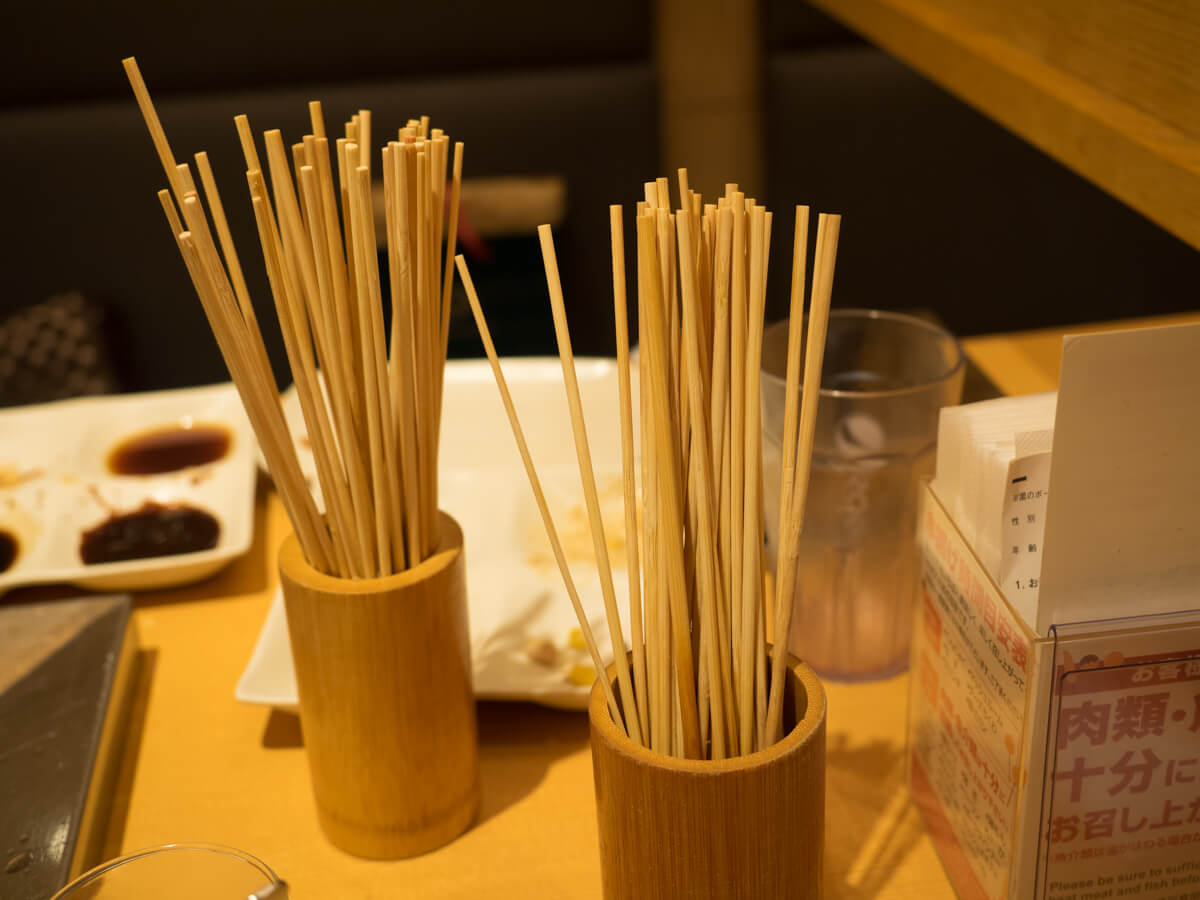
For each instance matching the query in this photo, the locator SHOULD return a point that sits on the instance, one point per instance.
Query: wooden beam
(708, 56)
(1108, 88)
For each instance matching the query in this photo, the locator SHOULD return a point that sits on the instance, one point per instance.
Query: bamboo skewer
(277, 444)
(752, 492)
(355, 495)
(587, 475)
(154, 126)
(791, 404)
(422, 343)
(283, 293)
(720, 423)
(737, 412)
(370, 373)
(354, 377)
(227, 248)
(536, 486)
(658, 356)
(620, 316)
(828, 228)
(268, 417)
(705, 547)
(400, 374)
(747, 386)
(371, 420)
(657, 674)
(451, 245)
(296, 320)
(345, 368)
(375, 356)
(299, 356)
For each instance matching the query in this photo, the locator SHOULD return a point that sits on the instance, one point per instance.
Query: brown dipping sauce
(169, 449)
(8, 550)
(151, 530)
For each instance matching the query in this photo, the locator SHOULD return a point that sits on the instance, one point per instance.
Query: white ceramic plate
(55, 485)
(515, 593)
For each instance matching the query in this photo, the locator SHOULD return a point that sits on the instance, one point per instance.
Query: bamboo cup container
(747, 827)
(383, 668)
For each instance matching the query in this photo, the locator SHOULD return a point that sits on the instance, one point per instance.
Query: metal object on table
(67, 669)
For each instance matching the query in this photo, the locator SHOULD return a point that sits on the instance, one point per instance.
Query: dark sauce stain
(8, 550)
(169, 449)
(151, 530)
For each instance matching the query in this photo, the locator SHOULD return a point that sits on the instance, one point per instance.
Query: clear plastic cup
(179, 872)
(885, 376)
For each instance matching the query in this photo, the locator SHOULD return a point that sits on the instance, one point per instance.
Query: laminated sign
(1055, 723)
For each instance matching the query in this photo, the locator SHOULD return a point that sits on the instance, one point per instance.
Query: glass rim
(105, 867)
(959, 362)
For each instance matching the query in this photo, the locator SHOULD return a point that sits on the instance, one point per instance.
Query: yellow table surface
(199, 766)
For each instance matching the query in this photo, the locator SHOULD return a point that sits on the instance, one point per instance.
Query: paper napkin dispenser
(1054, 736)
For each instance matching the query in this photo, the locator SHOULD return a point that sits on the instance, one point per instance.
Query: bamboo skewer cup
(383, 668)
(746, 827)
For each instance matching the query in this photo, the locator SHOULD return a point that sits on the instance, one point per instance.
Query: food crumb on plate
(12, 476)
(582, 675)
(543, 652)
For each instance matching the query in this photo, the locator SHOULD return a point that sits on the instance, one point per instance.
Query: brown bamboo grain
(748, 827)
(407, 686)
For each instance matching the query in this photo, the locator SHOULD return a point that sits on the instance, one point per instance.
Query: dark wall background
(535, 88)
(943, 209)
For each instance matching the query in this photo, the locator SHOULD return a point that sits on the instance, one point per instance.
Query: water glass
(179, 872)
(885, 377)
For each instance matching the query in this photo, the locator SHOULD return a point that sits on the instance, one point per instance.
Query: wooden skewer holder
(383, 668)
(748, 827)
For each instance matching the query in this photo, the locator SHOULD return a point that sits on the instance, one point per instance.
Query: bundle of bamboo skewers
(373, 412)
(698, 682)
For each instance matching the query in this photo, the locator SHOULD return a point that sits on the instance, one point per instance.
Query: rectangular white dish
(55, 485)
(515, 594)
